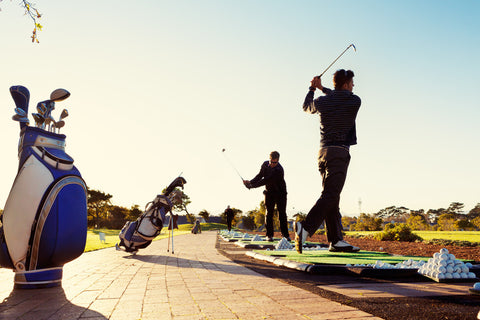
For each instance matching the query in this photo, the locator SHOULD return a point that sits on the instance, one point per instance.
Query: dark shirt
(271, 178)
(338, 110)
(229, 212)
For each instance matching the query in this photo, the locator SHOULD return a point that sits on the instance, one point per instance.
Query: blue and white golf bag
(139, 234)
(44, 222)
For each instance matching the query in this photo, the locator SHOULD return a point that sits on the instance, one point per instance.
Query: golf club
(39, 120)
(341, 54)
(59, 124)
(42, 108)
(21, 96)
(223, 152)
(20, 112)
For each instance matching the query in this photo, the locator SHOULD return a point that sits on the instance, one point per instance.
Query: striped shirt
(338, 110)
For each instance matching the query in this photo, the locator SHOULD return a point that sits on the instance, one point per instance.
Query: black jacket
(271, 178)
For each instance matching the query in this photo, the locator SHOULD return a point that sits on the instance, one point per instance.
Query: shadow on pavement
(48, 303)
(175, 261)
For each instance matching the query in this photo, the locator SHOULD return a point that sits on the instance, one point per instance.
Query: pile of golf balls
(283, 244)
(256, 238)
(246, 236)
(443, 265)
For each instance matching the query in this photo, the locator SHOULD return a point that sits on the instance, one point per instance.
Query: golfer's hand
(246, 183)
(317, 82)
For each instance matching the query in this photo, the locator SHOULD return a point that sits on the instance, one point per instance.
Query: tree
(248, 221)
(475, 212)
(446, 222)
(464, 224)
(456, 208)
(117, 217)
(476, 222)
(300, 216)
(349, 222)
(417, 222)
(393, 213)
(32, 12)
(366, 222)
(98, 204)
(433, 214)
(204, 214)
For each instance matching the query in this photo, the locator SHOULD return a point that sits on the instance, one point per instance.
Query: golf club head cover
(21, 96)
(44, 223)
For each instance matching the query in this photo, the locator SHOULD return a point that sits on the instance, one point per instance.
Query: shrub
(400, 232)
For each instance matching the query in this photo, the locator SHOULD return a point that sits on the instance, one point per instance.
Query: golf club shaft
(231, 163)
(341, 54)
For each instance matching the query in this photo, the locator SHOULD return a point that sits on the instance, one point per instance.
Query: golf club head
(20, 112)
(59, 124)
(354, 48)
(59, 95)
(64, 114)
(39, 119)
(41, 108)
(21, 96)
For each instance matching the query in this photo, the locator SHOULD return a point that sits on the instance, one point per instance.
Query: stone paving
(196, 282)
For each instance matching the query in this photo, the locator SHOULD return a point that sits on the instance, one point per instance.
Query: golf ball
(443, 250)
(476, 286)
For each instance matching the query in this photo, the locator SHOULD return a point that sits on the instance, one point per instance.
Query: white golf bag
(139, 234)
(44, 222)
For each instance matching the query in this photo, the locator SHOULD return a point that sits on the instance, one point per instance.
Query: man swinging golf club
(337, 109)
(271, 176)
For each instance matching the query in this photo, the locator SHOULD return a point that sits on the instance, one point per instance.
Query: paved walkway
(196, 282)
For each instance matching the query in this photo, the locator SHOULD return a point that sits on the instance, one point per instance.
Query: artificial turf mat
(338, 258)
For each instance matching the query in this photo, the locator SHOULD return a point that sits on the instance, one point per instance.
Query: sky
(159, 88)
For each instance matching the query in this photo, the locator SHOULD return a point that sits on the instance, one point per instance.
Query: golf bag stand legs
(44, 223)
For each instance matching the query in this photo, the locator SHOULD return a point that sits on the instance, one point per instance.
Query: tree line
(453, 218)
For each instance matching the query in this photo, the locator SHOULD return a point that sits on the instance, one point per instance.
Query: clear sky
(161, 87)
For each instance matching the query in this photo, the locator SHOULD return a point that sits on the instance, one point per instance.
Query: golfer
(229, 214)
(337, 109)
(271, 176)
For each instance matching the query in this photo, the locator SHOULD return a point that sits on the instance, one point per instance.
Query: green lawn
(471, 236)
(111, 236)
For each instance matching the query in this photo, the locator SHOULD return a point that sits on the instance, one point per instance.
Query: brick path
(194, 283)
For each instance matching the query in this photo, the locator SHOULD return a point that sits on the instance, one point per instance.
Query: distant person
(197, 228)
(271, 176)
(229, 214)
(338, 110)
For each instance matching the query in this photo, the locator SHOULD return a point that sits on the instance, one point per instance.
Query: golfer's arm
(309, 103)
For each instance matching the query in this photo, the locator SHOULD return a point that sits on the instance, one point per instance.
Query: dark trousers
(333, 164)
(272, 199)
(229, 222)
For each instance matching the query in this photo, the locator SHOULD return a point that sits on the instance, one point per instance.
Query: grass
(326, 257)
(471, 236)
(111, 235)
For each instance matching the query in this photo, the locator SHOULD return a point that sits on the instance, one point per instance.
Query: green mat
(339, 258)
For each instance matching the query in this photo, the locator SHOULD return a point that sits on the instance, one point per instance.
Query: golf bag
(139, 234)
(44, 222)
